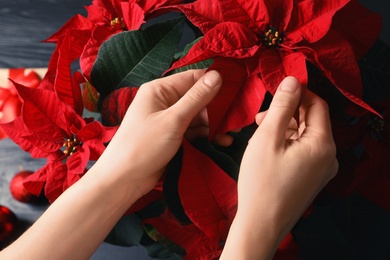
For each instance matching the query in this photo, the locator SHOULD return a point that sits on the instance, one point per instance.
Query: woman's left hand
(155, 123)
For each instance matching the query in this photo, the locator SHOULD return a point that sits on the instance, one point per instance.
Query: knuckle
(197, 94)
(283, 100)
(323, 104)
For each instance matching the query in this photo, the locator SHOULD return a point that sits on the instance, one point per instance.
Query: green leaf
(127, 232)
(199, 65)
(135, 57)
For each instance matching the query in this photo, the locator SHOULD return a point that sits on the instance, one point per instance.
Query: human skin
(284, 167)
(149, 136)
(163, 111)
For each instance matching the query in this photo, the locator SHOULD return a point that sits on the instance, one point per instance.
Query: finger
(292, 131)
(282, 109)
(166, 91)
(317, 119)
(183, 81)
(197, 97)
(260, 117)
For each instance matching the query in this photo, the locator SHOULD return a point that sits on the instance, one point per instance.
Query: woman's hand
(133, 162)
(284, 167)
(155, 123)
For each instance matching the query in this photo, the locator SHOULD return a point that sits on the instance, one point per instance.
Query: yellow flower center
(377, 124)
(272, 37)
(117, 23)
(71, 146)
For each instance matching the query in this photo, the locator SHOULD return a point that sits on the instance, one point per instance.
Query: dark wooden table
(23, 25)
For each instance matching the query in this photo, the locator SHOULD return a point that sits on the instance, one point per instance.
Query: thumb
(198, 96)
(282, 108)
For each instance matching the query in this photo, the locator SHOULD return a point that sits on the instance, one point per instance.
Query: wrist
(259, 227)
(253, 237)
(114, 182)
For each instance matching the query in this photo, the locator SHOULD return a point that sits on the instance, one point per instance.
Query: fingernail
(211, 78)
(289, 84)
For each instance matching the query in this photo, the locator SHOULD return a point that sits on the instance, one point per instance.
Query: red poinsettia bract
(270, 39)
(81, 37)
(49, 128)
(209, 198)
(10, 103)
(364, 153)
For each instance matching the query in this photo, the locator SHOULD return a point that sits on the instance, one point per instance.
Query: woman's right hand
(284, 167)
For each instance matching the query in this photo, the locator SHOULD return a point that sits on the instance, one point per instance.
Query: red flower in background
(81, 37)
(116, 104)
(209, 199)
(364, 144)
(10, 103)
(268, 40)
(49, 128)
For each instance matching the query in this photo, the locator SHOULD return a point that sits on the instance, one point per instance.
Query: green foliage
(199, 65)
(135, 57)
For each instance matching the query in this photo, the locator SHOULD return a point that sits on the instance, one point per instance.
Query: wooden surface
(12, 160)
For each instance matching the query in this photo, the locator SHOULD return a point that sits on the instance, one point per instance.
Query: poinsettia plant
(10, 103)
(332, 47)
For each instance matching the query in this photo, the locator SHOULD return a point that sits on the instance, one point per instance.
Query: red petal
(45, 115)
(279, 12)
(31, 80)
(77, 162)
(68, 49)
(288, 249)
(373, 172)
(101, 10)
(116, 104)
(10, 106)
(19, 133)
(91, 48)
(96, 131)
(151, 5)
(275, 66)
(44, 145)
(224, 40)
(311, 20)
(206, 16)
(147, 199)
(202, 14)
(94, 135)
(238, 100)
(189, 237)
(133, 15)
(359, 26)
(90, 97)
(2, 134)
(78, 22)
(57, 181)
(252, 14)
(208, 194)
(335, 57)
(35, 182)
